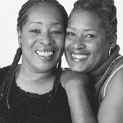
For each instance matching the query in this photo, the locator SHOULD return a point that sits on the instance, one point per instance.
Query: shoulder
(4, 69)
(115, 77)
(3, 72)
(113, 95)
(115, 81)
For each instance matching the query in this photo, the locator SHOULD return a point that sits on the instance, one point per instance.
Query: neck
(35, 82)
(27, 75)
(98, 73)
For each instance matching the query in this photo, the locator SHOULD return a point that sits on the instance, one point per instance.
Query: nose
(46, 39)
(79, 43)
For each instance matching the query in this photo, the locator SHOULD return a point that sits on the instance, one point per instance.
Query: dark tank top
(33, 108)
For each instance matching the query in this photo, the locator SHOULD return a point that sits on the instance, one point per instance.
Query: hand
(73, 79)
(75, 84)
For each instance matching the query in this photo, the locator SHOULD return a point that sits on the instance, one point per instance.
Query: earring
(109, 52)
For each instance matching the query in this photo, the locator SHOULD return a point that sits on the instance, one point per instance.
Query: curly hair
(104, 9)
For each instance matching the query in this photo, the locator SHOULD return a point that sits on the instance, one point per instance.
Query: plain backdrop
(8, 34)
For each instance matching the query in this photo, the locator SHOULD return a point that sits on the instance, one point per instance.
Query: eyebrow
(89, 30)
(40, 23)
(70, 28)
(84, 30)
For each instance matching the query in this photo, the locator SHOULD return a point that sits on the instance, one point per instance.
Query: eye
(89, 36)
(36, 31)
(70, 33)
(56, 32)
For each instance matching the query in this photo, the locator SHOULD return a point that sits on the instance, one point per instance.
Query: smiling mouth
(79, 57)
(45, 54)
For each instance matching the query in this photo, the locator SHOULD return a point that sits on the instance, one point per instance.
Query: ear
(19, 32)
(113, 41)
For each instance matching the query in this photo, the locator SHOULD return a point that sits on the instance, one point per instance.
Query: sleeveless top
(33, 108)
(102, 77)
(114, 67)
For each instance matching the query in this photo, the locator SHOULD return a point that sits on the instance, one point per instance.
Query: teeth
(78, 56)
(44, 54)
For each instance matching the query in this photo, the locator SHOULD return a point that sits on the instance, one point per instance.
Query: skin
(75, 83)
(86, 37)
(43, 33)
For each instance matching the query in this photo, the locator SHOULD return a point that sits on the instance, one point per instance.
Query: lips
(44, 54)
(78, 57)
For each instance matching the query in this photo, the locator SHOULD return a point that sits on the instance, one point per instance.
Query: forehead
(44, 11)
(84, 18)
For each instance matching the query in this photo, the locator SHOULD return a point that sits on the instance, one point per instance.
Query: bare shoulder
(111, 108)
(116, 81)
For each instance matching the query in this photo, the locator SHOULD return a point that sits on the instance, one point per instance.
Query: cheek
(95, 46)
(24, 39)
(60, 41)
(27, 41)
(25, 45)
(67, 43)
(97, 55)
(61, 44)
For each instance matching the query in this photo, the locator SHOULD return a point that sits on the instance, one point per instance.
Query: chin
(76, 68)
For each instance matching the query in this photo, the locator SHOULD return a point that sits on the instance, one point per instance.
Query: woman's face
(86, 47)
(42, 38)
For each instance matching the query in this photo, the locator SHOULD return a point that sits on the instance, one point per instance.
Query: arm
(75, 84)
(111, 108)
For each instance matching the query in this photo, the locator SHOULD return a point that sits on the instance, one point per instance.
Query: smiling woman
(31, 91)
(34, 91)
(91, 48)
(8, 27)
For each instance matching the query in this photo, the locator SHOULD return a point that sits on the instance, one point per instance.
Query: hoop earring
(109, 52)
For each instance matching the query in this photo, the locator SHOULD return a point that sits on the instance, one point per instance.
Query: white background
(8, 35)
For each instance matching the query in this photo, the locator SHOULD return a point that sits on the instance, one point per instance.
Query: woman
(30, 91)
(91, 48)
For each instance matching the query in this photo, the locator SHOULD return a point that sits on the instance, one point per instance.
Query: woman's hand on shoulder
(72, 79)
